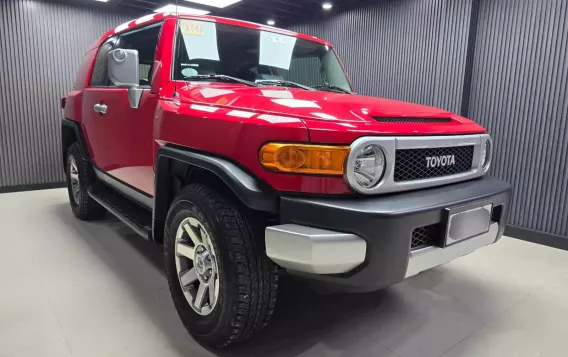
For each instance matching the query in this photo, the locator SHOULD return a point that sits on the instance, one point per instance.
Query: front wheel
(222, 283)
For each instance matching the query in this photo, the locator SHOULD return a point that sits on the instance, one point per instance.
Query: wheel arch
(71, 132)
(177, 167)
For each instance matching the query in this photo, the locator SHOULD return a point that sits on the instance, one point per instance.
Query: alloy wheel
(196, 265)
(75, 183)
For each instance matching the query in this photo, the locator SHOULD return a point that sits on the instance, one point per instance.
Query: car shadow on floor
(305, 322)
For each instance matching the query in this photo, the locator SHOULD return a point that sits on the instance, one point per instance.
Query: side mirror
(124, 71)
(123, 67)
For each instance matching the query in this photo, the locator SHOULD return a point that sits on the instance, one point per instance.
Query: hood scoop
(412, 120)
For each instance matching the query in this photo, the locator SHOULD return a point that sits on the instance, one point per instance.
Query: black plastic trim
(244, 185)
(117, 209)
(386, 223)
(412, 120)
(78, 136)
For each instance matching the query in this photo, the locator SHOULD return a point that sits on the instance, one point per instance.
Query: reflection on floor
(70, 288)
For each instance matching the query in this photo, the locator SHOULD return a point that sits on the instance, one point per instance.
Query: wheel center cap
(203, 264)
(200, 266)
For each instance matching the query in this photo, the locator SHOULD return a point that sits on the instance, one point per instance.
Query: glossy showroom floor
(69, 288)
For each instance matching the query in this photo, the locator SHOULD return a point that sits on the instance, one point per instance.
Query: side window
(99, 78)
(145, 41)
(145, 71)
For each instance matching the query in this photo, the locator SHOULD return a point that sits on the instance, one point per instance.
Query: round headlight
(369, 166)
(486, 155)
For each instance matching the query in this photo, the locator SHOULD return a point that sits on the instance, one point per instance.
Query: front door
(129, 134)
(94, 118)
(122, 136)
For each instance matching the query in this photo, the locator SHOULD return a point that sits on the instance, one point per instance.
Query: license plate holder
(466, 222)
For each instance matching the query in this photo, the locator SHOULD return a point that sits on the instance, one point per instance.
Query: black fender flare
(68, 124)
(245, 186)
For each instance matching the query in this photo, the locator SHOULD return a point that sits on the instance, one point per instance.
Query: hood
(334, 117)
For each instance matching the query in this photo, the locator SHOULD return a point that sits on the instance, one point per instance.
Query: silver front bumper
(430, 257)
(319, 251)
(314, 250)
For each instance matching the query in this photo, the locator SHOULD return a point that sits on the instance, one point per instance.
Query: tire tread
(257, 276)
(88, 209)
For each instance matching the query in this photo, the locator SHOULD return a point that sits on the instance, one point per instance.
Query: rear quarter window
(99, 77)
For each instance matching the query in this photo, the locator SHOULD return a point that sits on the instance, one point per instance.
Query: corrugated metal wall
(41, 47)
(519, 92)
(412, 50)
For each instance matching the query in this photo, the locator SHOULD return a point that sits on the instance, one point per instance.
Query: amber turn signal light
(304, 159)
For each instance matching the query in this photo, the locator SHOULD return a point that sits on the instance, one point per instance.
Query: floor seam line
(380, 344)
(67, 346)
(56, 317)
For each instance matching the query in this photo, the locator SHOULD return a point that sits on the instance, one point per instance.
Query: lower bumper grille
(426, 236)
(417, 164)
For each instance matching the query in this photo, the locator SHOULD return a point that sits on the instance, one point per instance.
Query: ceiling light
(215, 3)
(327, 6)
(271, 22)
(102, 0)
(181, 10)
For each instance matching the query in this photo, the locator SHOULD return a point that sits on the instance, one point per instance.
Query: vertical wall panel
(519, 91)
(41, 47)
(412, 50)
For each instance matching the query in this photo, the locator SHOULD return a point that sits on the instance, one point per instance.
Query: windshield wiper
(332, 88)
(220, 77)
(278, 82)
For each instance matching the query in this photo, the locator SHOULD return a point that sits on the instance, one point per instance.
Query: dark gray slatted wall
(412, 50)
(41, 47)
(519, 92)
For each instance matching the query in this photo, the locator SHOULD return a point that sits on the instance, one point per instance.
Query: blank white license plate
(464, 223)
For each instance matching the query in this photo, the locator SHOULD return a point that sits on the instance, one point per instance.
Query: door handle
(101, 108)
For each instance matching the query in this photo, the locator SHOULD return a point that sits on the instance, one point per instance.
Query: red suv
(243, 149)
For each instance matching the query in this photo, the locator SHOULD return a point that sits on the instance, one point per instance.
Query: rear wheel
(222, 283)
(78, 183)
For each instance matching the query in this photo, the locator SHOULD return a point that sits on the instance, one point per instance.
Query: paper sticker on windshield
(193, 28)
(276, 50)
(200, 39)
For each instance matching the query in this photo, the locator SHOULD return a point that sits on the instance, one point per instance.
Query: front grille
(426, 236)
(413, 164)
(412, 120)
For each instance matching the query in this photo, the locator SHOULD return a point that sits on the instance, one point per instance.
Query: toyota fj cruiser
(243, 149)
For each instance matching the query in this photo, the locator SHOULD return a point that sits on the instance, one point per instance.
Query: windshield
(208, 48)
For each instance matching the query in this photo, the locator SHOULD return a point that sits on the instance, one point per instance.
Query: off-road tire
(87, 209)
(248, 279)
